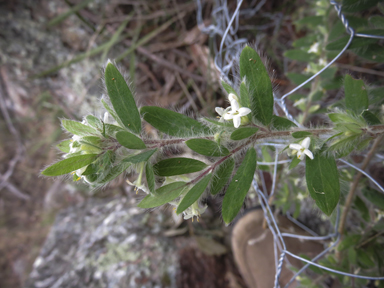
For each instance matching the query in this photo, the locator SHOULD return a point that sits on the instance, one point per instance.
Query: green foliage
(122, 99)
(68, 165)
(375, 197)
(260, 87)
(323, 181)
(141, 157)
(178, 166)
(301, 134)
(150, 175)
(163, 195)
(172, 123)
(280, 123)
(239, 186)
(356, 97)
(64, 146)
(129, 140)
(222, 175)
(207, 147)
(243, 133)
(194, 194)
(78, 128)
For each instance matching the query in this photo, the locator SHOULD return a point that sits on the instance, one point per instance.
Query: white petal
(300, 155)
(236, 121)
(219, 110)
(228, 116)
(106, 117)
(306, 143)
(244, 111)
(235, 105)
(232, 97)
(221, 120)
(295, 146)
(309, 153)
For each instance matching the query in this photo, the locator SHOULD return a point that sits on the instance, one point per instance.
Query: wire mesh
(224, 30)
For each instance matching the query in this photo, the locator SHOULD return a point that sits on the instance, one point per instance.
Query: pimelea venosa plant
(102, 149)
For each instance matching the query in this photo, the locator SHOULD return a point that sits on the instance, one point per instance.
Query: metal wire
(224, 28)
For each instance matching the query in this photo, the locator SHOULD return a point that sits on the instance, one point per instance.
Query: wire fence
(225, 29)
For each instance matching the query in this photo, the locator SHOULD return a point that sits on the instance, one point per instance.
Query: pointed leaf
(357, 5)
(130, 140)
(163, 195)
(112, 113)
(280, 123)
(150, 175)
(141, 157)
(228, 88)
(242, 133)
(172, 123)
(94, 122)
(244, 100)
(70, 164)
(207, 147)
(239, 186)
(122, 99)
(64, 145)
(78, 128)
(373, 52)
(178, 166)
(299, 55)
(371, 118)
(295, 161)
(115, 172)
(356, 96)
(323, 181)
(222, 174)
(194, 194)
(111, 130)
(375, 197)
(357, 42)
(260, 86)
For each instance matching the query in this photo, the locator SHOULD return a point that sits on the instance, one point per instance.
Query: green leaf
(362, 208)
(70, 164)
(111, 130)
(172, 123)
(64, 145)
(299, 55)
(356, 96)
(222, 124)
(280, 123)
(150, 175)
(141, 157)
(357, 42)
(207, 147)
(371, 118)
(94, 122)
(122, 99)
(244, 100)
(373, 52)
(163, 195)
(259, 84)
(349, 241)
(178, 166)
(242, 133)
(222, 174)
(295, 161)
(130, 140)
(112, 113)
(375, 197)
(377, 21)
(298, 78)
(239, 186)
(323, 181)
(78, 128)
(94, 141)
(228, 88)
(301, 134)
(194, 194)
(115, 172)
(305, 42)
(352, 6)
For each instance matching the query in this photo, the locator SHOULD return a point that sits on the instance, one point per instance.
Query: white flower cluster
(234, 112)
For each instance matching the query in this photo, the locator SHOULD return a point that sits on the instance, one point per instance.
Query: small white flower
(232, 97)
(194, 210)
(222, 112)
(314, 48)
(236, 113)
(302, 149)
(139, 186)
(106, 117)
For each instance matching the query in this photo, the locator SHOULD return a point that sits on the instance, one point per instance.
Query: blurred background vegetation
(51, 59)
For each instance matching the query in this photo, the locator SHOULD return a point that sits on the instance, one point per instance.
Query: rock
(105, 244)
